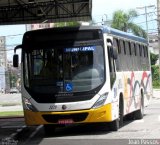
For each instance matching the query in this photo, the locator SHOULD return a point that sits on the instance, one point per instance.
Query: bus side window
(146, 49)
(133, 50)
(140, 50)
(138, 57)
(128, 61)
(147, 60)
(144, 57)
(124, 48)
(133, 55)
(122, 55)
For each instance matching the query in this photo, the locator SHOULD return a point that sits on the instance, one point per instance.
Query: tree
(154, 58)
(155, 69)
(63, 24)
(124, 21)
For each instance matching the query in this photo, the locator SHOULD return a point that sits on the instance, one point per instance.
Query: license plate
(65, 121)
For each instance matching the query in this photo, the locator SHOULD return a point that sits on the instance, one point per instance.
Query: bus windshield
(67, 69)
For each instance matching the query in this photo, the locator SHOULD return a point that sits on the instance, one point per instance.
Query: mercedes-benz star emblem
(64, 107)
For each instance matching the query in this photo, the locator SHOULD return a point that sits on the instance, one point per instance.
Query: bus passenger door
(111, 59)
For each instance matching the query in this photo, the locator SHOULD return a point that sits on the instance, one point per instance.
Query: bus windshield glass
(70, 69)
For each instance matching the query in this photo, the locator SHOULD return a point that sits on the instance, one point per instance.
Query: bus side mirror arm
(15, 56)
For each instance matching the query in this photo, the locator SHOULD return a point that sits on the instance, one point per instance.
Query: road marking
(159, 118)
(33, 134)
(5, 127)
(20, 130)
(139, 121)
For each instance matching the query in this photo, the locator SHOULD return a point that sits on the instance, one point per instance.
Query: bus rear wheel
(140, 113)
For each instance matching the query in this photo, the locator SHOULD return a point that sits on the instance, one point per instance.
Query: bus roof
(123, 34)
(116, 32)
(105, 29)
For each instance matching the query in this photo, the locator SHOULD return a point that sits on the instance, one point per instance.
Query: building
(3, 54)
(38, 26)
(153, 44)
(3, 63)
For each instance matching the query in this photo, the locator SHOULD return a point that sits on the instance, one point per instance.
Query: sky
(108, 7)
(103, 8)
(100, 9)
(14, 34)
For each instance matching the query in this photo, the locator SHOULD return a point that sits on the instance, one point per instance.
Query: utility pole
(103, 22)
(146, 16)
(158, 18)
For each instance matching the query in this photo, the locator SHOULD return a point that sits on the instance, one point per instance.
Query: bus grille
(75, 117)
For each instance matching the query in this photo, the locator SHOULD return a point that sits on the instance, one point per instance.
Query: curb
(156, 89)
(11, 117)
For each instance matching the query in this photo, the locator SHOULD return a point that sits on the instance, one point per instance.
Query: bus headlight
(100, 101)
(28, 105)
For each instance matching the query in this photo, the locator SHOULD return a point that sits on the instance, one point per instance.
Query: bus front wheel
(116, 124)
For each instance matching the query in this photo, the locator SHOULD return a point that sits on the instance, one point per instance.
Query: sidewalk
(11, 108)
(156, 93)
(12, 102)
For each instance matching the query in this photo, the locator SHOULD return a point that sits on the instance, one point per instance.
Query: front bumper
(102, 114)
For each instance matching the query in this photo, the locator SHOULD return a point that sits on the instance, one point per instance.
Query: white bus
(83, 75)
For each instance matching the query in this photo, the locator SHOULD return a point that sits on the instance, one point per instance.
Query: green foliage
(13, 79)
(154, 58)
(155, 70)
(155, 75)
(119, 21)
(11, 113)
(137, 30)
(65, 24)
(124, 21)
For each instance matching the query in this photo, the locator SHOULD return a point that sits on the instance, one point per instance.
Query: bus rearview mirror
(15, 60)
(114, 52)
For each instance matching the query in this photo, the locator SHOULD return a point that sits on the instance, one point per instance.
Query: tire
(49, 129)
(140, 113)
(116, 124)
(130, 116)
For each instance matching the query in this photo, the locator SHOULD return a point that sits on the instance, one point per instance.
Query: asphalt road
(144, 131)
(137, 131)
